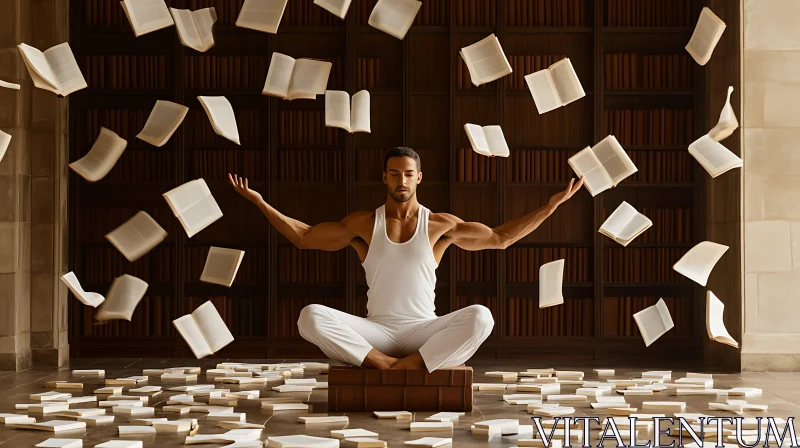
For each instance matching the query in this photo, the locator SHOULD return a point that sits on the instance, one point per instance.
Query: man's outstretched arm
(477, 236)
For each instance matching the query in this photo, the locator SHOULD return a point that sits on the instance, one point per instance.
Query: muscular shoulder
(360, 222)
(444, 221)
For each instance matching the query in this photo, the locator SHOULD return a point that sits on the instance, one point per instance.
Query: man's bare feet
(413, 361)
(377, 360)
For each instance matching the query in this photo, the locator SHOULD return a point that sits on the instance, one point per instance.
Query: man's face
(401, 178)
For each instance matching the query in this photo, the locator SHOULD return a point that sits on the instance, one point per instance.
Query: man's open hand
(242, 187)
(562, 196)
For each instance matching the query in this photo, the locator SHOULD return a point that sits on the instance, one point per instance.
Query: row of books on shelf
(642, 13)
(124, 72)
(225, 72)
(141, 165)
(310, 266)
(573, 318)
(252, 126)
(252, 269)
(474, 167)
(311, 165)
(153, 318)
(308, 14)
(526, 64)
(649, 127)
(243, 317)
(632, 71)
(670, 225)
(126, 123)
(95, 222)
(523, 263)
(661, 166)
(213, 165)
(104, 264)
(368, 73)
(307, 128)
(618, 315)
(642, 264)
(464, 80)
(476, 266)
(548, 12)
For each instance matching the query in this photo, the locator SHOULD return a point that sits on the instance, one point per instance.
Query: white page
(147, 16)
(699, 261)
(543, 91)
(302, 441)
(635, 227)
(205, 19)
(212, 326)
(485, 60)
(121, 444)
(65, 68)
(60, 443)
(261, 15)
(336, 7)
(566, 81)
(706, 34)
(715, 325)
(87, 298)
(185, 196)
(727, 121)
(221, 265)
(163, 121)
(310, 77)
(337, 109)
(496, 141)
(360, 112)
(122, 298)
(5, 140)
(279, 75)
(394, 17)
(477, 139)
(137, 236)
(191, 333)
(39, 69)
(102, 157)
(713, 156)
(618, 220)
(586, 165)
(551, 277)
(614, 159)
(223, 120)
(9, 85)
(188, 33)
(200, 216)
(651, 323)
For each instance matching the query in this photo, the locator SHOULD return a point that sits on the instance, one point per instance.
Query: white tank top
(401, 276)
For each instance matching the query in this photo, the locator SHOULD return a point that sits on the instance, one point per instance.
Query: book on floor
(50, 396)
(220, 113)
(625, 224)
(102, 157)
(9, 85)
(121, 444)
(162, 122)
(291, 78)
(485, 60)
(727, 121)
(60, 443)
(715, 158)
(350, 433)
(221, 266)
(92, 299)
(602, 166)
(122, 298)
(54, 425)
(432, 442)
(653, 322)
(340, 114)
(336, 7)
(363, 442)
(5, 140)
(551, 277)
(699, 261)
(394, 17)
(261, 15)
(137, 236)
(707, 32)
(555, 86)
(296, 441)
(204, 330)
(63, 385)
(146, 16)
(94, 372)
(715, 325)
(15, 419)
(233, 435)
(432, 426)
(487, 140)
(135, 430)
(195, 27)
(313, 420)
(194, 206)
(54, 70)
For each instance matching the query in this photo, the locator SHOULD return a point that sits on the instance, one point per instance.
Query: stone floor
(781, 391)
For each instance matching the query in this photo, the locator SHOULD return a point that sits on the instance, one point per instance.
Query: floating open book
(339, 114)
(55, 70)
(147, 16)
(194, 27)
(485, 60)
(653, 322)
(487, 140)
(92, 299)
(715, 326)
(727, 121)
(105, 152)
(555, 86)
(551, 277)
(603, 166)
(221, 266)
(394, 17)
(261, 15)
(204, 330)
(194, 206)
(220, 113)
(697, 263)
(163, 121)
(137, 236)
(292, 79)
(706, 34)
(336, 7)
(625, 224)
(5, 140)
(122, 298)
(715, 158)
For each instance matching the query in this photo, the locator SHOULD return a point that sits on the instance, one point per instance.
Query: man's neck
(401, 210)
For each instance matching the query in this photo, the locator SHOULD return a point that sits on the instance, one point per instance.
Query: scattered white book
(653, 322)
(122, 298)
(133, 410)
(109, 390)
(61, 443)
(715, 158)
(673, 406)
(504, 426)
(5, 140)
(697, 263)
(432, 426)
(9, 85)
(487, 140)
(604, 372)
(485, 60)
(174, 425)
(291, 78)
(555, 86)
(97, 419)
(399, 415)
(220, 113)
(221, 266)
(178, 377)
(707, 32)
(137, 236)
(102, 157)
(240, 425)
(147, 16)
(350, 433)
(194, 206)
(551, 277)
(55, 70)
(603, 166)
(53, 426)
(15, 419)
(204, 330)
(43, 408)
(162, 122)
(293, 388)
(194, 27)
(502, 375)
(336, 7)
(234, 435)
(135, 430)
(226, 416)
(121, 444)
(430, 441)
(302, 441)
(261, 15)
(394, 17)
(727, 121)
(50, 396)
(311, 420)
(93, 372)
(92, 299)
(715, 326)
(625, 224)
(340, 114)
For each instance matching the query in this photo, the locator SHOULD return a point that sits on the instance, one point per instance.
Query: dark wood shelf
(426, 29)
(429, 92)
(304, 30)
(647, 93)
(315, 290)
(647, 30)
(549, 30)
(649, 289)
(656, 185)
(478, 91)
(238, 291)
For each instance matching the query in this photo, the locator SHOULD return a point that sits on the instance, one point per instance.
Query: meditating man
(400, 245)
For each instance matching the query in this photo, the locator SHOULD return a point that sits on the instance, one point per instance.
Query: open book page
(477, 139)
(394, 17)
(485, 60)
(279, 75)
(39, 69)
(336, 7)
(727, 121)
(191, 333)
(543, 91)
(699, 261)
(310, 78)
(212, 326)
(163, 121)
(200, 216)
(188, 33)
(360, 112)
(185, 196)
(223, 120)
(715, 325)
(137, 236)
(261, 15)
(595, 177)
(105, 153)
(9, 85)
(87, 298)
(551, 277)
(122, 298)
(706, 34)
(5, 140)
(147, 16)
(221, 266)
(653, 322)
(205, 19)
(496, 141)
(635, 227)
(566, 81)
(337, 109)
(617, 221)
(715, 158)
(65, 68)
(194, 206)
(614, 159)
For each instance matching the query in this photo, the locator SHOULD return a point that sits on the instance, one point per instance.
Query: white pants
(443, 342)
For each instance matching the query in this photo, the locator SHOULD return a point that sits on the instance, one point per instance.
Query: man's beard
(398, 198)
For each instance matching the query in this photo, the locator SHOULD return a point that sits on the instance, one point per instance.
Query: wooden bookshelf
(641, 86)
